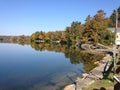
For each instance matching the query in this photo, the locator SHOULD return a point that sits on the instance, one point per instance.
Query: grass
(100, 84)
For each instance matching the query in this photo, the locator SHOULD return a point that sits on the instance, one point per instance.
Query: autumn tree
(113, 18)
(35, 35)
(95, 27)
(41, 35)
(93, 30)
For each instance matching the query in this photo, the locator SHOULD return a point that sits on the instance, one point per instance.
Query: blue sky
(18, 17)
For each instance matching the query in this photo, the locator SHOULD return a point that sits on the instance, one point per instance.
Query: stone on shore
(70, 87)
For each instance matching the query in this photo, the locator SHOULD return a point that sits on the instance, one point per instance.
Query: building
(117, 39)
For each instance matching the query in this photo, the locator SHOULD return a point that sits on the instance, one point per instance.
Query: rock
(70, 87)
(84, 75)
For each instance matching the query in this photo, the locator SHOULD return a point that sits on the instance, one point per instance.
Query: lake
(26, 68)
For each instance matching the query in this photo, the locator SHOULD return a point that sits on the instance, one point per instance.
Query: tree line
(21, 39)
(94, 30)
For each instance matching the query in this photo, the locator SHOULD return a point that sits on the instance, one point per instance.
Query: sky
(24, 17)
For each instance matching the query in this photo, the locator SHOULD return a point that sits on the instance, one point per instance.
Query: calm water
(24, 68)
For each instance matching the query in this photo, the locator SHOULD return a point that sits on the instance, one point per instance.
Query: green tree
(74, 33)
(113, 18)
(68, 34)
(88, 18)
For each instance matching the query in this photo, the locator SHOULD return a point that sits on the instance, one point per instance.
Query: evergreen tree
(113, 18)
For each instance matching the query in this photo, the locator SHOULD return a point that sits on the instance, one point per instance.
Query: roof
(113, 29)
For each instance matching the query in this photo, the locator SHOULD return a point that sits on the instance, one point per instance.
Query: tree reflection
(75, 54)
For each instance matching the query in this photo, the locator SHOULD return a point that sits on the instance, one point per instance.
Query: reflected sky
(23, 68)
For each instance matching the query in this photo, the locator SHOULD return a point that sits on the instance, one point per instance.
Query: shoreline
(96, 73)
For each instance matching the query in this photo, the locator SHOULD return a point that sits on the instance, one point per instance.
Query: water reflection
(75, 54)
(47, 67)
(22, 68)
